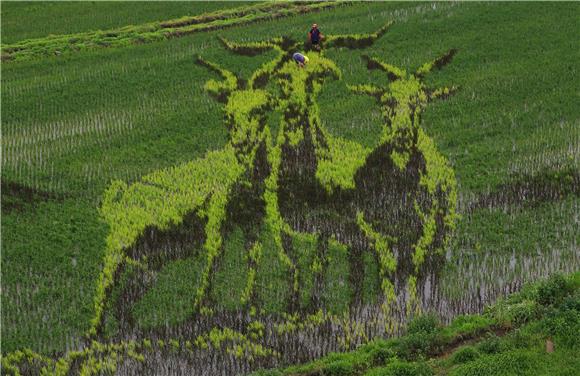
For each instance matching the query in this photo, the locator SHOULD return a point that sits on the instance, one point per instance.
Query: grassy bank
(510, 338)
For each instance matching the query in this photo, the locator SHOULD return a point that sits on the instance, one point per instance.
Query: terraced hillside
(180, 195)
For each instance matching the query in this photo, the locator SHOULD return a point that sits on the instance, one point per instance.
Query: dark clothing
(298, 57)
(314, 35)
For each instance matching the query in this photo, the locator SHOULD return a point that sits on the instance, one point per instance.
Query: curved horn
(393, 72)
(438, 63)
(250, 48)
(220, 90)
(354, 41)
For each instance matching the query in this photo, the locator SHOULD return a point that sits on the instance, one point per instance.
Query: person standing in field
(315, 37)
(300, 59)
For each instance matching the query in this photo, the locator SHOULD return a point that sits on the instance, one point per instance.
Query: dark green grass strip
(305, 250)
(337, 289)
(170, 300)
(272, 284)
(37, 19)
(155, 31)
(371, 285)
(229, 280)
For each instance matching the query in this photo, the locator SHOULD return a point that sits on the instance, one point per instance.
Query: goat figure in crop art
(145, 217)
(397, 199)
(394, 203)
(305, 155)
(413, 181)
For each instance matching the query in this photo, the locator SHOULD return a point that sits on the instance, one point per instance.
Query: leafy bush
(512, 363)
(466, 326)
(339, 368)
(400, 368)
(523, 312)
(428, 323)
(521, 338)
(491, 345)
(381, 354)
(464, 355)
(553, 290)
(509, 313)
(564, 323)
(571, 302)
(424, 337)
(417, 345)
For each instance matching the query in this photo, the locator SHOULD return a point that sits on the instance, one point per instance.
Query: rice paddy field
(179, 197)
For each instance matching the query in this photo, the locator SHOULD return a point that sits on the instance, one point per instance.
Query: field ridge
(54, 45)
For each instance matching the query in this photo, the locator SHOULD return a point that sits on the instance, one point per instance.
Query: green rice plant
(155, 31)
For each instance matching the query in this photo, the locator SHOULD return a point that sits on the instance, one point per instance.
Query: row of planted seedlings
(37, 150)
(499, 249)
(155, 31)
(268, 171)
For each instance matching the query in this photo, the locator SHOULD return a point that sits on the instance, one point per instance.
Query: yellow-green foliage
(356, 40)
(387, 261)
(345, 157)
(234, 342)
(401, 103)
(162, 199)
(216, 214)
(155, 31)
(95, 359)
(293, 322)
(439, 174)
(255, 255)
(12, 361)
(273, 220)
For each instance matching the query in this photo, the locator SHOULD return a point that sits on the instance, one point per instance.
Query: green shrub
(423, 338)
(417, 345)
(466, 326)
(521, 338)
(513, 363)
(524, 312)
(339, 368)
(381, 354)
(553, 290)
(563, 326)
(428, 323)
(464, 355)
(491, 345)
(508, 313)
(400, 368)
(571, 302)
(574, 280)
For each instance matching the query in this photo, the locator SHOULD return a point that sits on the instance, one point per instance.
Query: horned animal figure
(398, 199)
(395, 202)
(421, 186)
(304, 149)
(141, 216)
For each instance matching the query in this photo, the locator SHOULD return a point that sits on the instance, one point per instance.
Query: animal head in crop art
(402, 102)
(405, 90)
(245, 109)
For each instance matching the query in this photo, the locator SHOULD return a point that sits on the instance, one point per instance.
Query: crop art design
(376, 216)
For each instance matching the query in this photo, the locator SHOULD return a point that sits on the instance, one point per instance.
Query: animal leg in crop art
(140, 213)
(430, 188)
